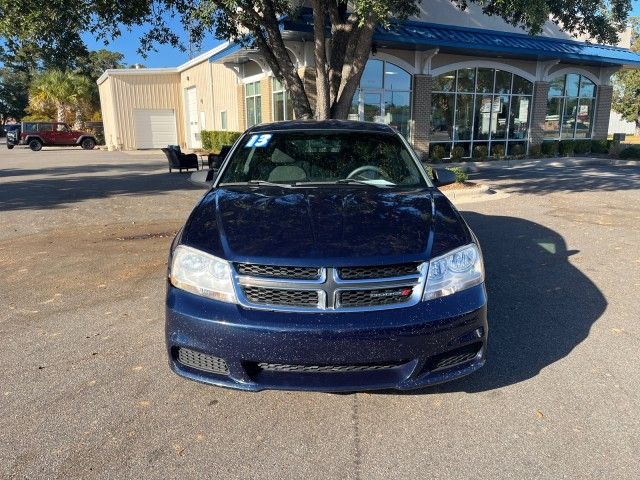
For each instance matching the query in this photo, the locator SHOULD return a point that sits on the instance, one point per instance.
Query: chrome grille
(374, 297)
(201, 361)
(274, 296)
(379, 271)
(278, 271)
(328, 291)
(281, 367)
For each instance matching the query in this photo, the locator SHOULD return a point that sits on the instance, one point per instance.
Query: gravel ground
(85, 391)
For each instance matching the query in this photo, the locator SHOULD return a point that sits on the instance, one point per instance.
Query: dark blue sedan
(323, 257)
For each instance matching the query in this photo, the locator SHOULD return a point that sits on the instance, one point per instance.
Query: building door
(154, 128)
(193, 125)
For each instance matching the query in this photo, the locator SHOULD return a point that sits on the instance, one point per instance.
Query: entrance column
(538, 112)
(421, 114)
(602, 113)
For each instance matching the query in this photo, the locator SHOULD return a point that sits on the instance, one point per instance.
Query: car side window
(61, 127)
(45, 127)
(30, 127)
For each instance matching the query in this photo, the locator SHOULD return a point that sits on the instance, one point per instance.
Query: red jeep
(39, 134)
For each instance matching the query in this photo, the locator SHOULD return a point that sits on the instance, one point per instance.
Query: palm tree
(52, 88)
(81, 98)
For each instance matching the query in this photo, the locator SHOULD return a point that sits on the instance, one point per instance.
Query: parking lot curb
(480, 193)
(473, 167)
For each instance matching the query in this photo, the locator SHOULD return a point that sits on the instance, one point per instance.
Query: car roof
(322, 125)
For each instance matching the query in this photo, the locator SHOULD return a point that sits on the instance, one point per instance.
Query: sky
(171, 57)
(166, 56)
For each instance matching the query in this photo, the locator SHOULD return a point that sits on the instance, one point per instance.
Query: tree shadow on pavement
(81, 169)
(558, 179)
(540, 306)
(56, 192)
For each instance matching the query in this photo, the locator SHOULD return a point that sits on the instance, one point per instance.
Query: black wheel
(88, 144)
(10, 147)
(35, 145)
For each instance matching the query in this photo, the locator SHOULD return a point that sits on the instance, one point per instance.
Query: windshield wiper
(258, 183)
(343, 181)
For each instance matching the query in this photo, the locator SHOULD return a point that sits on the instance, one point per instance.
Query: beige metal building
(447, 78)
(155, 107)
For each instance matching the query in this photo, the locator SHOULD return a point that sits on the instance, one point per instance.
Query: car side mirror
(203, 178)
(442, 176)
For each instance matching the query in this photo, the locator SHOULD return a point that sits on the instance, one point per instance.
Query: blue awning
(488, 42)
(412, 35)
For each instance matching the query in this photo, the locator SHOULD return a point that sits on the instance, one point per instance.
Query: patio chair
(215, 159)
(179, 160)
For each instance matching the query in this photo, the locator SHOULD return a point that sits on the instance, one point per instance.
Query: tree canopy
(340, 55)
(626, 100)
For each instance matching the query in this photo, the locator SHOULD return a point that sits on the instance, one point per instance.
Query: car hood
(324, 226)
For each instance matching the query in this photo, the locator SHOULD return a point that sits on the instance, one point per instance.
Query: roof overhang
(163, 71)
(422, 36)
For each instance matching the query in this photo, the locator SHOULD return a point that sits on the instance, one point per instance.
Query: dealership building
(448, 77)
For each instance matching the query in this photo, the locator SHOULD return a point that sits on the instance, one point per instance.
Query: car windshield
(323, 157)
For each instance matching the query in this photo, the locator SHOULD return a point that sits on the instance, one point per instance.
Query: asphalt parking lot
(85, 390)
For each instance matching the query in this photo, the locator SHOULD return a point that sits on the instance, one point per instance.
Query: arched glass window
(570, 107)
(384, 96)
(481, 107)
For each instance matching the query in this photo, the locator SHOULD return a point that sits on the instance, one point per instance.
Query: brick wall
(602, 113)
(538, 112)
(421, 114)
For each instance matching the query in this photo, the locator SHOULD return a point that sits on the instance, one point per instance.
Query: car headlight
(203, 274)
(459, 269)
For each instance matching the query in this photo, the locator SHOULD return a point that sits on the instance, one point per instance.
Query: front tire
(88, 144)
(35, 145)
(10, 147)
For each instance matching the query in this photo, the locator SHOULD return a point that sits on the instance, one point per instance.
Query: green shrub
(566, 147)
(516, 149)
(630, 152)
(582, 146)
(535, 150)
(213, 140)
(480, 152)
(429, 170)
(461, 176)
(550, 148)
(599, 146)
(437, 153)
(457, 153)
(497, 151)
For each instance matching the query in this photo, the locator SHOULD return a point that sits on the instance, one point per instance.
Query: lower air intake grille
(373, 298)
(281, 367)
(277, 271)
(201, 361)
(274, 296)
(456, 357)
(378, 271)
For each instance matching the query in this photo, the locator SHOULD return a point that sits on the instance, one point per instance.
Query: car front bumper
(404, 348)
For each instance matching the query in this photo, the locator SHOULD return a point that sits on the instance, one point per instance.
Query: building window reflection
(570, 107)
(383, 96)
(481, 106)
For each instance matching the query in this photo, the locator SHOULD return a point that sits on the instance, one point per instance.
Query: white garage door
(155, 128)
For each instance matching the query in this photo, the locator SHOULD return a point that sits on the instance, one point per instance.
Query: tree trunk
(355, 60)
(60, 112)
(79, 121)
(323, 108)
(269, 39)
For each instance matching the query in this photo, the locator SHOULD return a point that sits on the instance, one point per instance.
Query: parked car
(39, 134)
(323, 257)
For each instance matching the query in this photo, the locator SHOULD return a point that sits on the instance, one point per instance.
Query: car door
(63, 134)
(45, 132)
